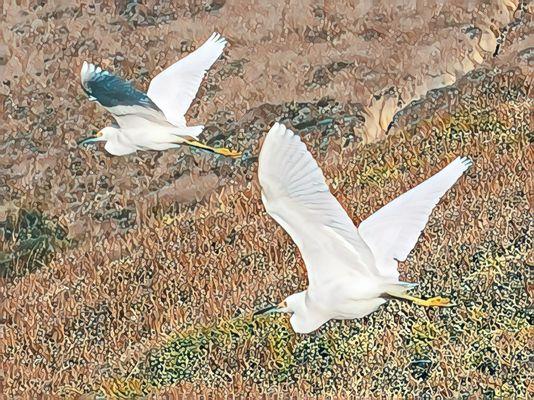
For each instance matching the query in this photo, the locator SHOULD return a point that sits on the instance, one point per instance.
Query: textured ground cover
(474, 251)
(151, 291)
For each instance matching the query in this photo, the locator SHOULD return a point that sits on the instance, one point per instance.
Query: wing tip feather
(272, 141)
(84, 72)
(280, 132)
(218, 39)
(277, 129)
(89, 69)
(464, 163)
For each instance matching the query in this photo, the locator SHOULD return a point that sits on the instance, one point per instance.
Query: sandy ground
(136, 276)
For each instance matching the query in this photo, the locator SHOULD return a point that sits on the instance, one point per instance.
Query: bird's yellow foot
(227, 152)
(433, 302)
(218, 150)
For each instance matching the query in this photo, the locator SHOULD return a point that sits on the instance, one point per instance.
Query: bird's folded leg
(432, 302)
(218, 150)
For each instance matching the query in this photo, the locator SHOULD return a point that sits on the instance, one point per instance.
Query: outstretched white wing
(295, 194)
(392, 231)
(175, 88)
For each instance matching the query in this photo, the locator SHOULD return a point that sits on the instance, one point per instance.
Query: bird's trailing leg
(432, 302)
(218, 150)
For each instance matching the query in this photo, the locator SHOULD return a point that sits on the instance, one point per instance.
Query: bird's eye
(99, 133)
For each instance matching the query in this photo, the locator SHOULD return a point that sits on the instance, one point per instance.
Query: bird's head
(102, 135)
(303, 318)
(292, 304)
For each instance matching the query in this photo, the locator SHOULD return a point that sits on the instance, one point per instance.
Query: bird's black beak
(85, 141)
(266, 310)
(91, 139)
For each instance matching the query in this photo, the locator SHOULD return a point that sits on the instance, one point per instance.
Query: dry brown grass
(191, 279)
(155, 294)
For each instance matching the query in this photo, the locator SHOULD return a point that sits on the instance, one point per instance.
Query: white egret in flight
(351, 271)
(153, 120)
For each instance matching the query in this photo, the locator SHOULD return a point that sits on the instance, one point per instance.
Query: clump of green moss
(29, 241)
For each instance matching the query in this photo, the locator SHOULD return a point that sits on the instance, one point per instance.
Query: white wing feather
(295, 194)
(174, 89)
(392, 231)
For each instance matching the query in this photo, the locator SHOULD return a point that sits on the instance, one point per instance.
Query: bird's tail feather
(192, 131)
(398, 288)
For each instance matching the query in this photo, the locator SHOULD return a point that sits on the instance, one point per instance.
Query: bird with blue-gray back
(154, 120)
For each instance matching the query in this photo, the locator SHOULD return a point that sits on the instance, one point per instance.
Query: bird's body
(351, 271)
(153, 120)
(126, 141)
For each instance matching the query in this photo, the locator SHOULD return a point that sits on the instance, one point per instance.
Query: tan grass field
(136, 277)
